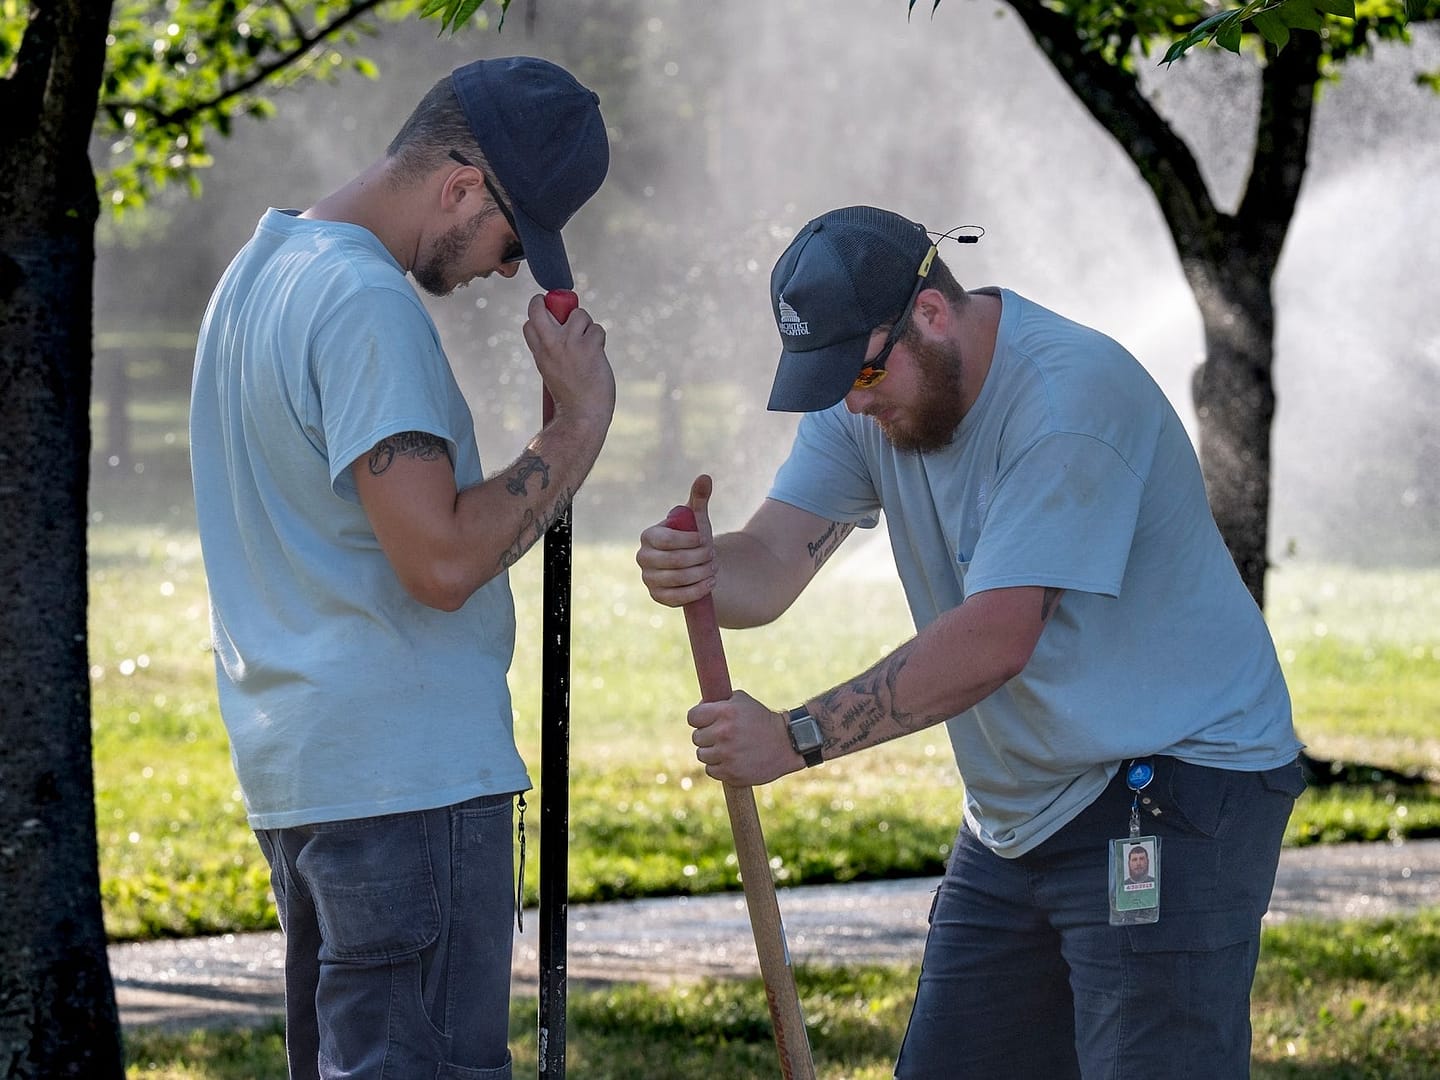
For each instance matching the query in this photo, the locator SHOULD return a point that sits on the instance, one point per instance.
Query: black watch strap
(805, 735)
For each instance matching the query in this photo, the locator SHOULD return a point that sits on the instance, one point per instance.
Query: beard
(433, 274)
(931, 424)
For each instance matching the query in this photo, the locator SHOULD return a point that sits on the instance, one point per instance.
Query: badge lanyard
(1135, 860)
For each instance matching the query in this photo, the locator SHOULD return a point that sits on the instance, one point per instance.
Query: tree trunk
(1228, 260)
(1230, 264)
(57, 1002)
(1235, 404)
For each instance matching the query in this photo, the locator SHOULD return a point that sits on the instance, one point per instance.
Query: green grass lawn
(1332, 1002)
(177, 858)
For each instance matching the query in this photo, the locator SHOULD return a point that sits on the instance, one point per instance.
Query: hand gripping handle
(560, 303)
(792, 1044)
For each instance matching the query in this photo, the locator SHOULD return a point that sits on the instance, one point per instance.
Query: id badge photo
(1135, 880)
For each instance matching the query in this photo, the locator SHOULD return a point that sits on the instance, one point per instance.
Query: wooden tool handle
(791, 1041)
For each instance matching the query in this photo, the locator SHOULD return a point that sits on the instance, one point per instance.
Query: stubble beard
(433, 275)
(931, 424)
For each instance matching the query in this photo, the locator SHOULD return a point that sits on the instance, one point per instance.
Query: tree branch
(1113, 98)
(1282, 143)
(303, 44)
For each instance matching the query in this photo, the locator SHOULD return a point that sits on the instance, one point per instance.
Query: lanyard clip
(1138, 775)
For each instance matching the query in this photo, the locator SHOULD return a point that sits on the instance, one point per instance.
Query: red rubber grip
(560, 303)
(681, 519)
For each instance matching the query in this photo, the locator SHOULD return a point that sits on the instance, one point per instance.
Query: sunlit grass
(1361, 650)
(178, 858)
(1353, 999)
(1310, 602)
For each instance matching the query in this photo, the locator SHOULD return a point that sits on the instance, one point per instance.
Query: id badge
(1135, 861)
(1134, 880)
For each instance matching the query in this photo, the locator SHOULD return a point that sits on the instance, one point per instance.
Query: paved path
(236, 979)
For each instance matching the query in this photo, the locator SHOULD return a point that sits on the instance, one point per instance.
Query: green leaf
(1204, 30)
(1272, 28)
(463, 12)
(1301, 15)
(1229, 36)
(456, 13)
(1344, 9)
(1181, 46)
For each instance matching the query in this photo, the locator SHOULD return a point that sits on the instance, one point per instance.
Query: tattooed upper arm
(420, 445)
(824, 545)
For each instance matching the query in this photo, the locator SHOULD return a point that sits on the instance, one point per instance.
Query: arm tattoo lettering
(517, 482)
(420, 445)
(1048, 602)
(532, 527)
(824, 545)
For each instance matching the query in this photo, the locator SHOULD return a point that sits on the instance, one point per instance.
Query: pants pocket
(372, 886)
(460, 1072)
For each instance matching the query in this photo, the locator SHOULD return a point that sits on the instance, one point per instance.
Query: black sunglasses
(874, 370)
(515, 251)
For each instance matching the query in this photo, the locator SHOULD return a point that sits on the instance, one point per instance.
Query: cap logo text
(791, 324)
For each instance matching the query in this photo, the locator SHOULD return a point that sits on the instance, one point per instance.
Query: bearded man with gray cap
(1081, 631)
(357, 556)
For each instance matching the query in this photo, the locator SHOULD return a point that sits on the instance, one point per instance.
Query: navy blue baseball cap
(844, 274)
(542, 133)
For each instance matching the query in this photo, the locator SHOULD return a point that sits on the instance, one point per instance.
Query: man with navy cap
(1081, 630)
(356, 555)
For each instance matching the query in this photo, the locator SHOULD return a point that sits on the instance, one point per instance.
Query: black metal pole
(554, 769)
(554, 799)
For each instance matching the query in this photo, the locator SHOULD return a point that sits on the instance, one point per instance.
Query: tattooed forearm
(864, 706)
(517, 481)
(532, 527)
(1048, 603)
(857, 708)
(824, 545)
(420, 445)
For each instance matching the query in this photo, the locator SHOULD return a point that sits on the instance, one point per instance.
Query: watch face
(805, 733)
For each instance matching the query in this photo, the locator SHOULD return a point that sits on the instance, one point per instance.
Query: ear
(932, 312)
(461, 184)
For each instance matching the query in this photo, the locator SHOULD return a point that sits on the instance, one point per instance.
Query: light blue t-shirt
(343, 696)
(1072, 471)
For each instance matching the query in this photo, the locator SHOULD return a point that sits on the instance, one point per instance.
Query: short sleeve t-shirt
(1070, 471)
(342, 695)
